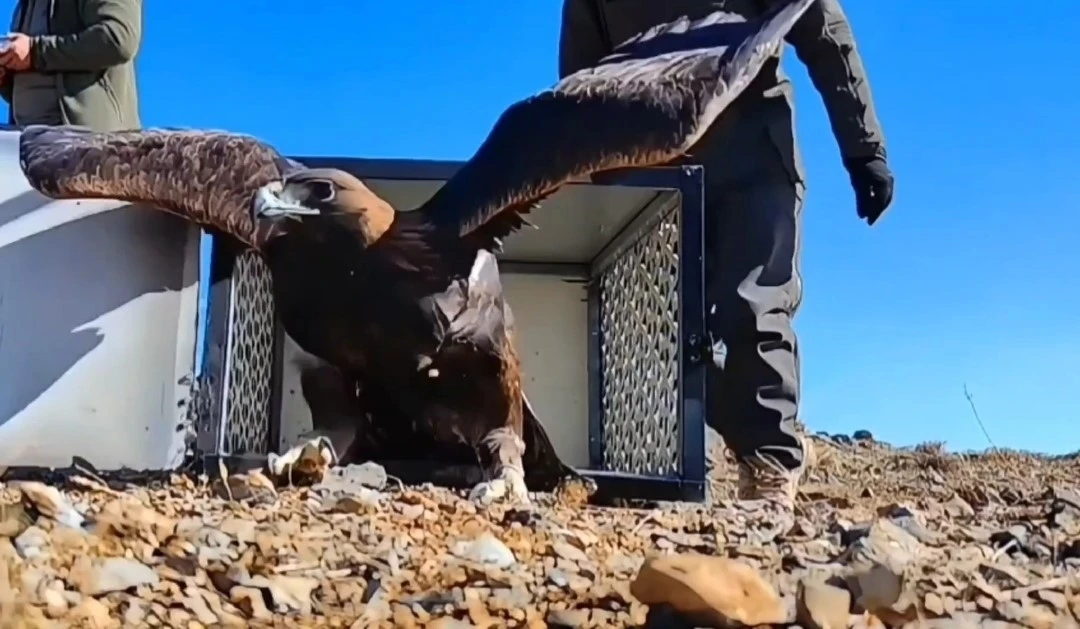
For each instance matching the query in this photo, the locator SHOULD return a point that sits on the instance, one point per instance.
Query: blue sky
(970, 278)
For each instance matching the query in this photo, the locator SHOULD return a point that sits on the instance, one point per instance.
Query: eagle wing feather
(208, 177)
(645, 104)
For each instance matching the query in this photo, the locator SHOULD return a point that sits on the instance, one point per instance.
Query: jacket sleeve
(581, 39)
(112, 38)
(823, 41)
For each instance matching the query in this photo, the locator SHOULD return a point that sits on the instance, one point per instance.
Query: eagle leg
(306, 462)
(336, 417)
(508, 473)
(506, 443)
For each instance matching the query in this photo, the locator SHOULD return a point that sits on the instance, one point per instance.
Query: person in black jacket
(754, 192)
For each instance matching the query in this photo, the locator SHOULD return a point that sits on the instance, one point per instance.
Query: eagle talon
(304, 463)
(509, 486)
(488, 492)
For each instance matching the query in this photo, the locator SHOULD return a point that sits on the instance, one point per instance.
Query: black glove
(873, 185)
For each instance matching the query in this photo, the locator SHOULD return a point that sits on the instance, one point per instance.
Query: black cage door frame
(685, 479)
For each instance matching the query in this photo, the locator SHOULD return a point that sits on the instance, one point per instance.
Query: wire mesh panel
(247, 394)
(639, 353)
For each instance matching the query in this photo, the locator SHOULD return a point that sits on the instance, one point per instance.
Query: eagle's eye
(322, 190)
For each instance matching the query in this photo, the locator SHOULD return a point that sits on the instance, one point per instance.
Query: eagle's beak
(271, 201)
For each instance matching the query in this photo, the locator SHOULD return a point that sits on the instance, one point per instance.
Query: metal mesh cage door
(639, 330)
(647, 313)
(247, 390)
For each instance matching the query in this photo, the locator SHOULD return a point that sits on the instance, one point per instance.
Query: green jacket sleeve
(581, 39)
(112, 38)
(823, 41)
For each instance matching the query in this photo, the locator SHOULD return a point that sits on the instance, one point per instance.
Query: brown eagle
(410, 303)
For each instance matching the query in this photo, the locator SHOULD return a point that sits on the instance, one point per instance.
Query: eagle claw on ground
(509, 486)
(305, 463)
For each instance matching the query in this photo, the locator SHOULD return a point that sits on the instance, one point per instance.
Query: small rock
(819, 605)
(621, 563)
(91, 613)
(908, 519)
(243, 530)
(353, 478)
(196, 604)
(14, 519)
(883, 542)
(486, 549)
(412, 512)
(1055, 599)
(1030, 615)
(32, 543)
(716, 590)
(569, 552)
(881, 590)
(568, 580)
(568, 619)
(1063, 497)
(957, 507)
(208, 554)
(253, 485)
(361, 501)
(34, 580)
(186, 527)
(250, 601)
(128, 517)
(50, 502)
(558, 578)
(210, 537)
(516, 597)
(93, 577)
(932, 603)
(55, 603)
(289, 593)
(135, 614)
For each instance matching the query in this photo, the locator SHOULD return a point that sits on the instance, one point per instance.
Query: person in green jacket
(72, 62)
(754, 192)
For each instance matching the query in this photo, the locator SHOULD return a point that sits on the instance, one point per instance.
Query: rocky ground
(883, 537)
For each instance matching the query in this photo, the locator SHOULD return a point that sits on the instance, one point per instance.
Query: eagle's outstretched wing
(645, 104)
(207, 177)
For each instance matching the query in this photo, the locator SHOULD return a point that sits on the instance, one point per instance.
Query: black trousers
(753, 237)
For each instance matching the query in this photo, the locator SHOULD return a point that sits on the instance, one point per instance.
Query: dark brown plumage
(410, 304)
(206, 177)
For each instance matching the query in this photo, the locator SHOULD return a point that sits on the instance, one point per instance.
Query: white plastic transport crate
(98, 319)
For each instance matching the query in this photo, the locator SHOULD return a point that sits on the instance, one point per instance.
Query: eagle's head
(325, 200)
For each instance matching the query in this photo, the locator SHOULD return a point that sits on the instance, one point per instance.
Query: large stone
(819, 605)
(715, 591)
(112, 574)
(884, 542)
